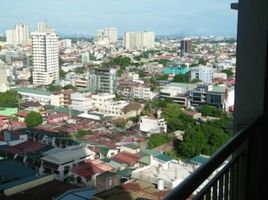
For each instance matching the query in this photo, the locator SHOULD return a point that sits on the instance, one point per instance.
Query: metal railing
(216, 181)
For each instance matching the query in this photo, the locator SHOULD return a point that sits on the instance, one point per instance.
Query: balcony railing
(216, 180)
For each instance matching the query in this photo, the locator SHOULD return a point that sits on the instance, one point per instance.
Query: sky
(84, 17)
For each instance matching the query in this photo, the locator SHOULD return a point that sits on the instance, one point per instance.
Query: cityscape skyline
(164, 18)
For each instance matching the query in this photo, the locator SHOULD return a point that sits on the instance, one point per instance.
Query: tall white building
(139, 40)
(19, 35)
(111, 33)
(10, 36)
(45, 57)
(43, 27)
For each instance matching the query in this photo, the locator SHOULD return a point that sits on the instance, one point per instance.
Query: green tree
(60, 61)
(228, 72)
(182, 78)
(142, 74)
(211, 111)
(157, 140)
(69, 86)
(202, 61)
(80, 133)
(9, 99)
(33, 119)
(176, 119)
(204, 138)
(195, 80)
(79, 70)
(54, 88)
(62, 74)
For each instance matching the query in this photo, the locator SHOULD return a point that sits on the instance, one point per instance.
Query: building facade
(102, 80)
(19, 35)
(203, 73)
(186, 46)
(139, 40)
(111, 33)
(45, 58)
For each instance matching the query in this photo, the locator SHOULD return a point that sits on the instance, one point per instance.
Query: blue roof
(14, 173)
(78, 194)
(176, 70)
(163, 157)
(199, 159)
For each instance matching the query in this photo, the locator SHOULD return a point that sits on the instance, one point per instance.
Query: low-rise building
(86, 172)
(57, 117)
(35, 94)
(59, 161)
(152, 125)
(164, 172)
(80, 102)
(203, 73)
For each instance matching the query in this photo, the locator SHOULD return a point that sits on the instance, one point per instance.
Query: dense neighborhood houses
(98, 116)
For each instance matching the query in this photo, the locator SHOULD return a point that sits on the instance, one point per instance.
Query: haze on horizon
(84, 17)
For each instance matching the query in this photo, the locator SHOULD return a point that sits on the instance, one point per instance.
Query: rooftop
(40, 192)
(172, 174)
(36, 91)
(163, 157)
(186, 86)
(67, 155)
(88, 168)
(133, 190)
(127, 158)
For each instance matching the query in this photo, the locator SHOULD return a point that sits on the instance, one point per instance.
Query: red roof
(88, 168)
(57, 115)
(126, 157)
(22, 114)
(25, 147)
(3, 117)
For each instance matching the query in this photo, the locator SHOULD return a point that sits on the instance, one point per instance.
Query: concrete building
(85, 57)
(45, 58)
(153, 125)
(99, 100)
(60, 161)
(66, 43)
(139, 40)
(19, 35)
(87, 172)
(178, 92)
(186, 46)
(102, 80)
(111, 33)
(203, 73)
(43, 27)
(10, 37)
(34, 94)
(163, 171)
(120, 109)
(3, 79)
(219, 96)
(61, 98)
(142, 92)
(80, 102)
